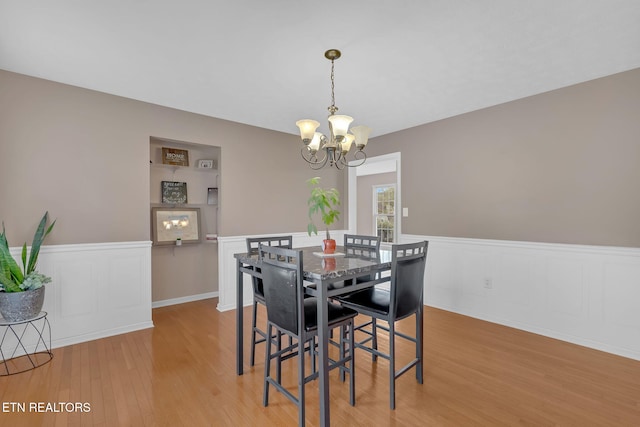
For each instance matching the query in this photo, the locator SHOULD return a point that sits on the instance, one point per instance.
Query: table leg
(239, 319)
(323, 354)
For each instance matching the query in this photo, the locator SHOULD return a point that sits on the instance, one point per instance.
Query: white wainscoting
(97, 290)
(227, 246)
(587, 295)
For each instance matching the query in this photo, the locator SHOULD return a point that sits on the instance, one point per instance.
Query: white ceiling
(404, 62)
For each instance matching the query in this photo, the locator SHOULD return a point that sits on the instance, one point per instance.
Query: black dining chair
(361, 245)
(258, 292)
(290, 313)
(403, 299)
(364, 247)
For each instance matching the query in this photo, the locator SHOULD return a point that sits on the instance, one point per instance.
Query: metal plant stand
(18, 354)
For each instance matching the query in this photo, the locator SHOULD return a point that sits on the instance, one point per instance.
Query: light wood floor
(182, 373)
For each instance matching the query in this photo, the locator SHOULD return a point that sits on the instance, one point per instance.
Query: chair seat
(337, 313)
(330, 286)
(342, 284)
(372, 299)
(338, 285)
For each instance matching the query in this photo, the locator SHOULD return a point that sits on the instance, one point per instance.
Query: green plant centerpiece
(21, 288)
(323, 201)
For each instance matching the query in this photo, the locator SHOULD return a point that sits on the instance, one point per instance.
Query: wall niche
(184, 178)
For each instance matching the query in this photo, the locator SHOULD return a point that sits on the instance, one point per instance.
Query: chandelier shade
(361, 134)
(347, 143)
(340, 126)
(307, 129)
(319, 150)
(314, 145)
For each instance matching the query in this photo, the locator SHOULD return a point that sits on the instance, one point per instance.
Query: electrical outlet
(487, 283)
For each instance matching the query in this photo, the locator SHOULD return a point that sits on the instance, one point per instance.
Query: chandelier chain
(333, 108)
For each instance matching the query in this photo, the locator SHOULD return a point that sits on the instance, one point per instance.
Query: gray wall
(560, 167)
(84, 156)
(563, 166)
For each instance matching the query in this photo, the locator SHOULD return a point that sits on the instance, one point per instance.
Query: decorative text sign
(174, 192)
(174, 156)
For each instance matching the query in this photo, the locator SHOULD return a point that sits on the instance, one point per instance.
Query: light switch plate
(405, 212)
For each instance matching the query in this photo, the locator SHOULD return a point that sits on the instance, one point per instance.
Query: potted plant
(325, 202)
(21, 290)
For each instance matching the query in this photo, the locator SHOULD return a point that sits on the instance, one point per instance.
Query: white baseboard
(182, 300)
(100, 334)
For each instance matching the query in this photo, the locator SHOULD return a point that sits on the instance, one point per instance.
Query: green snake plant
(14, 278)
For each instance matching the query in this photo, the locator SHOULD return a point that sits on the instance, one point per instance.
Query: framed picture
(175, 156)
(174, 192)
(170, 224)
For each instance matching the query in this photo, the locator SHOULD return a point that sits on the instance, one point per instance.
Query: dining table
(320, 271)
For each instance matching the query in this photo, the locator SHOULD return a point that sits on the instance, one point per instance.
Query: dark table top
(319, 268)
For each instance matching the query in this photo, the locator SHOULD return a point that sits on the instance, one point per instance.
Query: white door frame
(378, 164)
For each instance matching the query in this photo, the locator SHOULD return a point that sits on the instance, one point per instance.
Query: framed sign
(175, 156)
(171, 224)
(206, 164)
(174, 192)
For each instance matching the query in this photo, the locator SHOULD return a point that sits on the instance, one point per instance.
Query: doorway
(379, 170)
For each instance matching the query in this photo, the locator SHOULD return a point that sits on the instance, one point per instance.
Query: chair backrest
(283, 286)
(280, 241)
(252, 248)
(362, 246)
(407, 278)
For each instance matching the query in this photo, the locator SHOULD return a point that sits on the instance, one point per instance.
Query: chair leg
(267, 366)
(374, 340)
(342, 352)
(253, 332)
(279, 364)
(419, 346)
(392, 365)
(352, 372)
(301, 382)
(312, 354)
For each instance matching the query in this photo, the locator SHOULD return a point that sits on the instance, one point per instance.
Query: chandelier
(319, 150)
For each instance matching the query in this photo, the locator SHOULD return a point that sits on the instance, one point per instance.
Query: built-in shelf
(198, 180)
(175, 168)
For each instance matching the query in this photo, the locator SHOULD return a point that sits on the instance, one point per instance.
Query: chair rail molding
(586, 295)
(97, 289)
